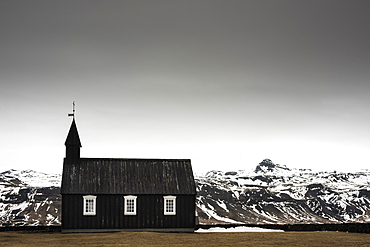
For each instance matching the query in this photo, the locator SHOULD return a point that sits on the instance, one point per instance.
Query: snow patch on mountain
(30, 178)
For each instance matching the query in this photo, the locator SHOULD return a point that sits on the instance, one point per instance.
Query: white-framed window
(169, 205)
(130, 205)
(89, 205)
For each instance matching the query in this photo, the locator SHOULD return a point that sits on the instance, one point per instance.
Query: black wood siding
(110, 213)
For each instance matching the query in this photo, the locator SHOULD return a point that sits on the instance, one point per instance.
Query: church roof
(73, 138)
(128, 176)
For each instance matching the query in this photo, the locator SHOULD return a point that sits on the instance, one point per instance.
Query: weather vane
(72, 114)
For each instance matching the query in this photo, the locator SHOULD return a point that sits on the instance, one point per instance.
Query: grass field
(185, 239)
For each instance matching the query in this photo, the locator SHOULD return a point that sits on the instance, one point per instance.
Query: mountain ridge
(277, 194)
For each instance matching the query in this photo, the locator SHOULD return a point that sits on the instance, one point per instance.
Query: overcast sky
(223, 83)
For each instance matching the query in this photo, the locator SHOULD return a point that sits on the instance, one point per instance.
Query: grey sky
(224, 83)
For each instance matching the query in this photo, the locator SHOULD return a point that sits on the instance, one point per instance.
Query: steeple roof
(73, 138)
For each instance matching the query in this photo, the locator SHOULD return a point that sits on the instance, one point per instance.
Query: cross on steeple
(72, 114)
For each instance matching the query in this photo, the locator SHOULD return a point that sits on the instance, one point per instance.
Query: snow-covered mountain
(270, 193)
(274, 193)
(29, 198)
(30, 178)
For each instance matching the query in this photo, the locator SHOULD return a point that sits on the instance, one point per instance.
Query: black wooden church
(103, 194)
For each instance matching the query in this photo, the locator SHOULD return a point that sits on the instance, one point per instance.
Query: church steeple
(73, 143)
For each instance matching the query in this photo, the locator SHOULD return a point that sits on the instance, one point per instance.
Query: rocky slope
(270, 193)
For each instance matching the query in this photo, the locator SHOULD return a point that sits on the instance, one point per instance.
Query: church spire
(73, 139)
(73, 143)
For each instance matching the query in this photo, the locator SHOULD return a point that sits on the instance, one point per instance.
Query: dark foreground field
(185, 239)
